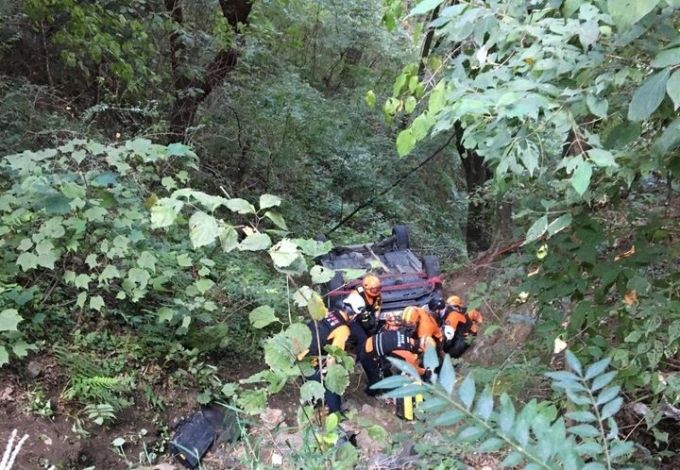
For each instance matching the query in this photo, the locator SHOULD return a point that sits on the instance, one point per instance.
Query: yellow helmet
(454, 300)
(409, 315)
(371, 285)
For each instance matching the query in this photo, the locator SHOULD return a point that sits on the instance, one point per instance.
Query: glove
(448, 332)
(367, 322)
(427, 375)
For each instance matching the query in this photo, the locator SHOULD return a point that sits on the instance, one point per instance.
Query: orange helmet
(475, 316)
(371, 285)
(409, 315)
(454, 300)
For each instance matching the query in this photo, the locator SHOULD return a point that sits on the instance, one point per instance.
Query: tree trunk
(190, 93)
(478, 229)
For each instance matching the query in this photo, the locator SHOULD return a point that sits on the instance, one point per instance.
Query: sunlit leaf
(9, 319)
(268, 200)
(405, 142)
(240, 206)
(597, 368)
(336, 378)
(203, 229)
(467, 391)
(312, 391)
(262, 316)
(255, 242)
(316, 307)
(537, 229)
(277, 219)
(626, 13)
(321, 275)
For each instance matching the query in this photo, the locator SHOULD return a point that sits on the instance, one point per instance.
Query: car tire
(431, 266)
(400, 233)
(334, 284)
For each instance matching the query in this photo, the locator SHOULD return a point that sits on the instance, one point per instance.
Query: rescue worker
(420, 325)
(459, 327)
(366, 323)
(437, 308)
(333, 329)
(381, 345)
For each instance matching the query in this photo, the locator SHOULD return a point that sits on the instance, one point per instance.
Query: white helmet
(354, 304)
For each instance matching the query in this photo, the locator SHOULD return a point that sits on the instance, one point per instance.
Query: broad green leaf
(622, 135)
(268, 200)
(648, 96)
(21, 348)
(467, 391)
(588, 33)
(229, 239)
(240, 206)
(262, 316)
(139, 276)
(4, 356)
(666, 58)
(597, 106)
(164, 212)
(410, 104)
(9, 319)
(165, 314)
(321, 275)
(492, 444)
(627, 13)
(97, 302)
(512, 460)
(284, 253)
(437, 100)
(300, 338)
(208, 201)
(72, 190)
(580, 179)
(447, 375)
(559, 224)
(424, 7)
(584, 430)
(82, 281)
(80, 300)
(255, 242)
(184, 260)
(316, 307)
(471, 434)
(421, 126)
(312, 391)
(336, 378)
(204, 285)
(25, 244)
(673, 89)
(91, 260)
(601, 158)
(537, 229)
(277, 219)
(619, 448)
(147, 260)
(405, 142)
(581, 416)
(27, 261)
(203, 229)
(370, 98)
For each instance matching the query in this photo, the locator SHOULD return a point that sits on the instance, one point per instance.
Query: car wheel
(431, 266)
(400, 233)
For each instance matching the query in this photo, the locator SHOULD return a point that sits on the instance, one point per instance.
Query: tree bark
(478, 229)
(190, 93)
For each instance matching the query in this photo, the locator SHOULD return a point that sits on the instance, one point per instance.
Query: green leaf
(91, 260)
(597, 368)
(80, 300)
(370, 98)
(537, 229)
(559, 224)
(447, 375)
(484, 406)
(139, 276)
(467, 391)
(666, 58)
(601, 158)
(619, 448)
(184, 260)
(203, 285)
(262, 316)
(27, 261)
(648, 96)
(147, 260)
(164, 212)
(425, 6)
(449, 418)
(673, 89)
(82, 281)
(336, 379)
(268, 200)
(240, 206)
(623, 134)
(9, 319)
(21, 348)
(405, 142)
(471, 434)
(602, 381)
(437, 100)
(597, 106)
(277, 219)
(316, 307)
(573, 362)
(300, 338)
(607, 395)
(97, 302)
(626, 13)
(165, 314)
(580, 180)
(584, 430)
(611, 408)
(312, 391)
(512, 460)
(493, 444)
(321, 275)
(229, 239)
(203, 229)
(581, 416)
(4, 356)
(255, 242)
(506, 417)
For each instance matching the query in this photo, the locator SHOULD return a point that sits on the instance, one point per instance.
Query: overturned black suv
(406, 279)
